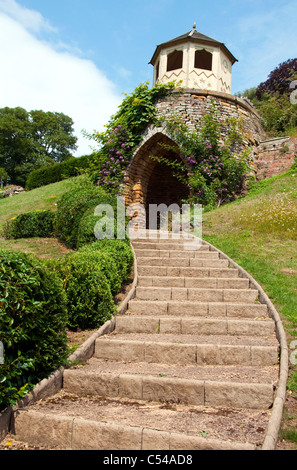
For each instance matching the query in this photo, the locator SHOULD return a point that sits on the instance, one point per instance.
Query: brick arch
(149, 181)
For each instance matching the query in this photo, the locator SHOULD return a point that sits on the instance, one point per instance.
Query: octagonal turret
(194, 61)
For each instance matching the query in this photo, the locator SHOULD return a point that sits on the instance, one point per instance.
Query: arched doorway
(151, 182)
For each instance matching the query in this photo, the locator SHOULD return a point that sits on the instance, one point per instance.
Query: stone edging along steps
(128, 357)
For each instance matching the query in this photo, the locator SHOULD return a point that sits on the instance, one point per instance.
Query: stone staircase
(193, 364)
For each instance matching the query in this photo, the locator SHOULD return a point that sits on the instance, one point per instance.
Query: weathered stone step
(176, 254)
(190, 325)
(196, 350)
(69, 422)
(201, 295)
(213, 373)
(193, 282)
(197, 309)
(170, 389)
(183, 262)
(158, 236)
(176, 271)
(165, 245)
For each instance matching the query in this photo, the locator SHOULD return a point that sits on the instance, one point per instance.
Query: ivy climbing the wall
(213, 164)
(123, 134)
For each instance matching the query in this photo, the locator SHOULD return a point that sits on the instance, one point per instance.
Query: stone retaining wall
(275, 156)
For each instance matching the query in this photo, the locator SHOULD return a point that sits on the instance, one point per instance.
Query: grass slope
(259, 232)
(43, 198)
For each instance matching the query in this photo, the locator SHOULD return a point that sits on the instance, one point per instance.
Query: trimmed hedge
(30, 225)
(120, 252)
(72, 207)
(33, 319)
(89, 299)
(59, 171)
(91, 277)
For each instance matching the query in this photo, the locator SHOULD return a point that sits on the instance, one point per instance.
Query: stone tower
(196, 61)
(202, 69)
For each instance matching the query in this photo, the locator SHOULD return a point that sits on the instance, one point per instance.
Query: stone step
(193, 282)
(172, 390)
(195, 294)
(197, 309)
(190, 325)
(183, 262)
(177, 254)
(165, 236)
(69, 422)
(165, 245)
(187, 350)
(165, 271)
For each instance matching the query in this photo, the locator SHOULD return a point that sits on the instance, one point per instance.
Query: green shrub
(119, 250)
(73, 206)
(89, 299)
(30, 225)
(105, 263)
(33, 320)
(59, 171)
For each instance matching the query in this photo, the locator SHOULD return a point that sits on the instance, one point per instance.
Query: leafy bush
(124, 132)
(59, 171)
(121, 253)
(214, 172)
(72, 207)
(33, 320)
(89, 299)
(279, 79)
(30, 225)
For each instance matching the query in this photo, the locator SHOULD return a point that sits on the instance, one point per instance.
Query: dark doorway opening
(164, 188)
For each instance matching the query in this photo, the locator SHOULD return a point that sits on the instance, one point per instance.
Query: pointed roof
(194, 36)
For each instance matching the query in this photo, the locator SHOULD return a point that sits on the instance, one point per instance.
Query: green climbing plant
(215, 171)
(124, 132)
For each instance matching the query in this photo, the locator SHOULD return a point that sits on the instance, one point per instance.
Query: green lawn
(43, 198)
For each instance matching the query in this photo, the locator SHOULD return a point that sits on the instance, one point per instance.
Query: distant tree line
(32, 140)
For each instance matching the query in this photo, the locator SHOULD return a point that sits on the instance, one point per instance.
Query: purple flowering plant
(123, 133)
(215, 170)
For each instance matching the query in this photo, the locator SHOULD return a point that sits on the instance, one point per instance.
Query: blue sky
(80, 56)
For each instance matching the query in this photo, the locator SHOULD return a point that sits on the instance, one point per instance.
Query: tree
(53, 135)
(279, 79)
(3, 177)
(272, 100)
(16, 143)
(29, 140)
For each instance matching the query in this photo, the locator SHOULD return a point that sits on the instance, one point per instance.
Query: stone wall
(275, 156)
(144, 184)
(192, 105)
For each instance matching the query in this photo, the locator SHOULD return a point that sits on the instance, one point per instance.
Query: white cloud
(30, 19)
(34, 75)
